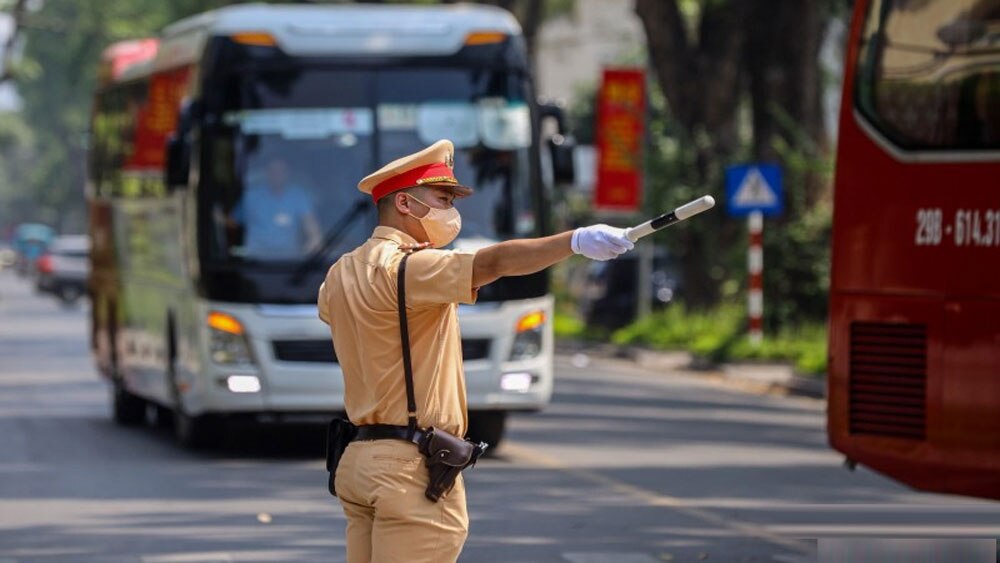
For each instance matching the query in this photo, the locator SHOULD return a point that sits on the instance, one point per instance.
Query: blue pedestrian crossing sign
(754, 187)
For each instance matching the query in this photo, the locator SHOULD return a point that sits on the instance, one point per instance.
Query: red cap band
(438, 171)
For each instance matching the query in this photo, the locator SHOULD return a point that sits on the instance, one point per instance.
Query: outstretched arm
(519, 257)
(526, 256)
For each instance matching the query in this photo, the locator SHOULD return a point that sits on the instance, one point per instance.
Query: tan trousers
(380, 484)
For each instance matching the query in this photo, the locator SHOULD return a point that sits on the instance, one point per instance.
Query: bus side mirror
(178, 161)
(561, 149)
(178, 149)
(561, 145)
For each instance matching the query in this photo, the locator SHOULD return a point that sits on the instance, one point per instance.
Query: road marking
(892, 530)
(207, 557)
(530, 456)
(794, 558)
(609, 558)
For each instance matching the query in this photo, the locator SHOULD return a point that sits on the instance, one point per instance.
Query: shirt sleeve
(321, 304)
(440, 276)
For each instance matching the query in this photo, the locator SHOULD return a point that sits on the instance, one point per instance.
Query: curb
(772, 377)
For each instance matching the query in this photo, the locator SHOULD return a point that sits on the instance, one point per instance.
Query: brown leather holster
(447, 455)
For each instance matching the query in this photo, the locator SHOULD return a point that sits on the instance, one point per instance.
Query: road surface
(626, 466)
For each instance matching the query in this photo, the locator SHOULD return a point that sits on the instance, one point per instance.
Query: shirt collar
(393, 234)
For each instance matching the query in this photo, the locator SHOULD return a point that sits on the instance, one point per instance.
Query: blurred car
(8, 257)
(63, 269)
(610, 295)
(30, 241)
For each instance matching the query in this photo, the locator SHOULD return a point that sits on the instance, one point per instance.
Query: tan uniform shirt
(358, 301)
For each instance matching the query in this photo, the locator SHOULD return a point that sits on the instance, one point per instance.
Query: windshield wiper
(332, 237)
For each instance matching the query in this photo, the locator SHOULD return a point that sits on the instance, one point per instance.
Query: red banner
(621, 126)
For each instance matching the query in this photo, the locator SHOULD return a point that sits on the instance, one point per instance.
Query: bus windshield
(294, 144)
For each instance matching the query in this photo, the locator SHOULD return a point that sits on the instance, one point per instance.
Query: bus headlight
(227, 340)
(243, 383)
(529, 339)
(519, 382)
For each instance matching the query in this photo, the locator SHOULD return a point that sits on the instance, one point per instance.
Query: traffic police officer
(381, 483)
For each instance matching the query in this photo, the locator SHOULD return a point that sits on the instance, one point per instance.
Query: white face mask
(441, 225)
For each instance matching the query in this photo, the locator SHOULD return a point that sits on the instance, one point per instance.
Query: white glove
(600, 242)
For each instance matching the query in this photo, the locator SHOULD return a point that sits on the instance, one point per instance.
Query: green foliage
(43, 171)
(555, 8)
(16, 140)
(565, 325)
(14, 133)
(797, 245)
(719, 335)
(582, 113)
(806, 347)
(675, 327)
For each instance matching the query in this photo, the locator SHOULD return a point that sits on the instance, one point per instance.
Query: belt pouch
(339, 433)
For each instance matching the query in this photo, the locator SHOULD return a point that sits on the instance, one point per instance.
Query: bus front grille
(304, 351)
(888, 380)
(322, 350)
(475, 348)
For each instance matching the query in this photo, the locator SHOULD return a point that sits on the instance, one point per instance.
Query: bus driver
(277, 216)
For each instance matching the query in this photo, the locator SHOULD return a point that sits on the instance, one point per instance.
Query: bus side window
(928, 85)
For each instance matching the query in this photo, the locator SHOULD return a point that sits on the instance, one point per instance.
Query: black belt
(388, 432)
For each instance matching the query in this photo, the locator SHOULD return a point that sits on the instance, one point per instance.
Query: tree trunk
(785, 81)
(531, 20)
(701, 79)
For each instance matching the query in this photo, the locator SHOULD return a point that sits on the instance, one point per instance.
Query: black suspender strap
(404, 335)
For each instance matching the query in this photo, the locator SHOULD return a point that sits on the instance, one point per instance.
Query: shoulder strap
(404, 335)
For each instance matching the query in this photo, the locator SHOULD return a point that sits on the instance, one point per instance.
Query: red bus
(914, 376)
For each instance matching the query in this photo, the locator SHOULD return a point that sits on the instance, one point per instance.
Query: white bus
(204, 287)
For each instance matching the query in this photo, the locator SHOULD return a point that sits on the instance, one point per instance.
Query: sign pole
(753, 191)
(755, 264)
(644, 293)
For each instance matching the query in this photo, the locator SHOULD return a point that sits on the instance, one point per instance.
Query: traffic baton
(683, 212)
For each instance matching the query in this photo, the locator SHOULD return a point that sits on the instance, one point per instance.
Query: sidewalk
(765, 377)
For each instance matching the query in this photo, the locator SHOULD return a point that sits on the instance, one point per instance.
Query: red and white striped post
(755, 265)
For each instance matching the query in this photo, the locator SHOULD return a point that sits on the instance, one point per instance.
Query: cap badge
(449, 160)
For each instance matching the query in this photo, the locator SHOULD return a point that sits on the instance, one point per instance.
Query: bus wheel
(164, 416)
(127, 409)
(487, 426)
(196, 432)
(191, 431)
(69, 295)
